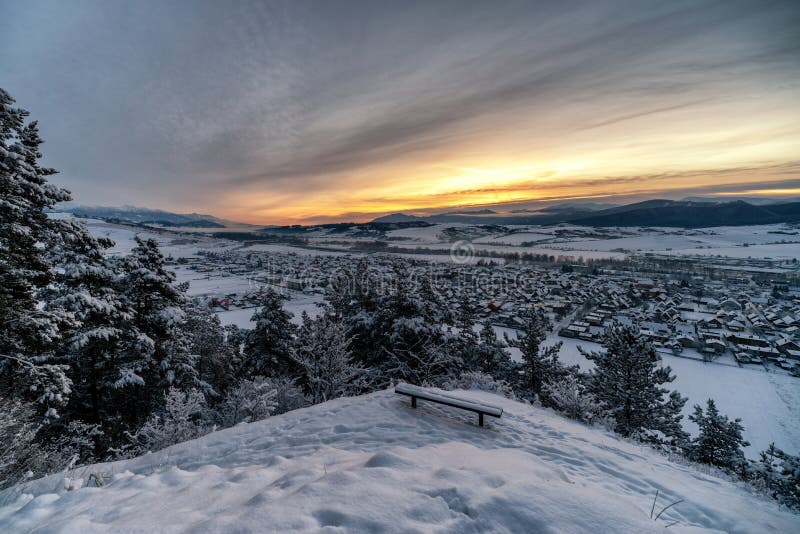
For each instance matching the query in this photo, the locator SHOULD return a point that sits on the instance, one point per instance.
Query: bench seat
(416, 392)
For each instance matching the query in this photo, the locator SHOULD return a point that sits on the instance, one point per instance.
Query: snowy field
(288, 249)
(178, 245)
(549, 250)
(767, 403)
(373, 464)
(774, 251)
(296, 306)
(215, 283)
(778, 241)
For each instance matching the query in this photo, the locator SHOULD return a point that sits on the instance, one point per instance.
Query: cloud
(177, 104)
(616, 189)
(539, 76)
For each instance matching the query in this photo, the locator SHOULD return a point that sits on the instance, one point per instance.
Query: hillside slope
(372, 464)
(654, 213)
(692, 215)
(136, 215)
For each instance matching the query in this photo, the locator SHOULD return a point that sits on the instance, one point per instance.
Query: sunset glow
(357, 110)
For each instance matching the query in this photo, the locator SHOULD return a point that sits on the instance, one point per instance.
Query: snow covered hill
(373, 464)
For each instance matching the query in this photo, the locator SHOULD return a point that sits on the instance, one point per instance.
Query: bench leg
(413, 402)
(480, 419)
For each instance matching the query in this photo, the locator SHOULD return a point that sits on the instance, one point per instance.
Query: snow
(775, 251)
(435, 396)
(288, 249)
(240, 317)
(550, 250)
(217, 284)
(298, 304)
(777, 242)
(373, 464)
(768, 403)
(171, 242)
(424, 234)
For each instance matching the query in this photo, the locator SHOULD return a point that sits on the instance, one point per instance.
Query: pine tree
(99, 340)
(323, 353)
(465, 344)
(353, 297)
(157, 301)
(268, 344)
(27, 333)
(540, 365)
(719, 441)
(627, 379)
(183, 416)
(352, 291)
(569, 396)
(17, 440)
(247, 401)
(215, 348)
(493, 358)
(778, 473)
(288, 395)
(411, 335)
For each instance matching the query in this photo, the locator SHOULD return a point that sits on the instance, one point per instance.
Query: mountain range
(146, 216)
(693, 212)
(688, 213)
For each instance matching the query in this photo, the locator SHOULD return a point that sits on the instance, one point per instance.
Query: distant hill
(471, 212)
(146, 216)
(692, 214)
(397, 218)
(695, 213)
(571, 206)
(755, 201)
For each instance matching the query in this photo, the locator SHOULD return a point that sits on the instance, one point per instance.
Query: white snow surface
(767, 403)
(374, 464)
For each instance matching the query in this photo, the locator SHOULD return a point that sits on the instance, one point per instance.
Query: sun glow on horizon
(777, 192)
(504, 161)
(474, 187)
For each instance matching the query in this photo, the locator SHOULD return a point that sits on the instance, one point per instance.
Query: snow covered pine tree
(719, 441)
(27, 333)
(627, 379)
(323, 352)
(100, 345)
(157, 306)
(268, 344)
(540, 365)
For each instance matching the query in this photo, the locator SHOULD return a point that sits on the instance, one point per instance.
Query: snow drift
(373, 464)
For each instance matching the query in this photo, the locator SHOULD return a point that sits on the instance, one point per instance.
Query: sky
(300, 111)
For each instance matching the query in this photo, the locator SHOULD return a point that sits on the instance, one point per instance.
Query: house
(765, 352)
(713, 322)
(744, 358)
(295, 284)
(787, 347)
(747, 340)
(713, 346)
(735, 326)
(688, 341)
(730, 305)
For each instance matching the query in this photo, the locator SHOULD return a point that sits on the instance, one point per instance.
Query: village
(740, 318)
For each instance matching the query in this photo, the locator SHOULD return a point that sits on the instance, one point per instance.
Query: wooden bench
(416, 392)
